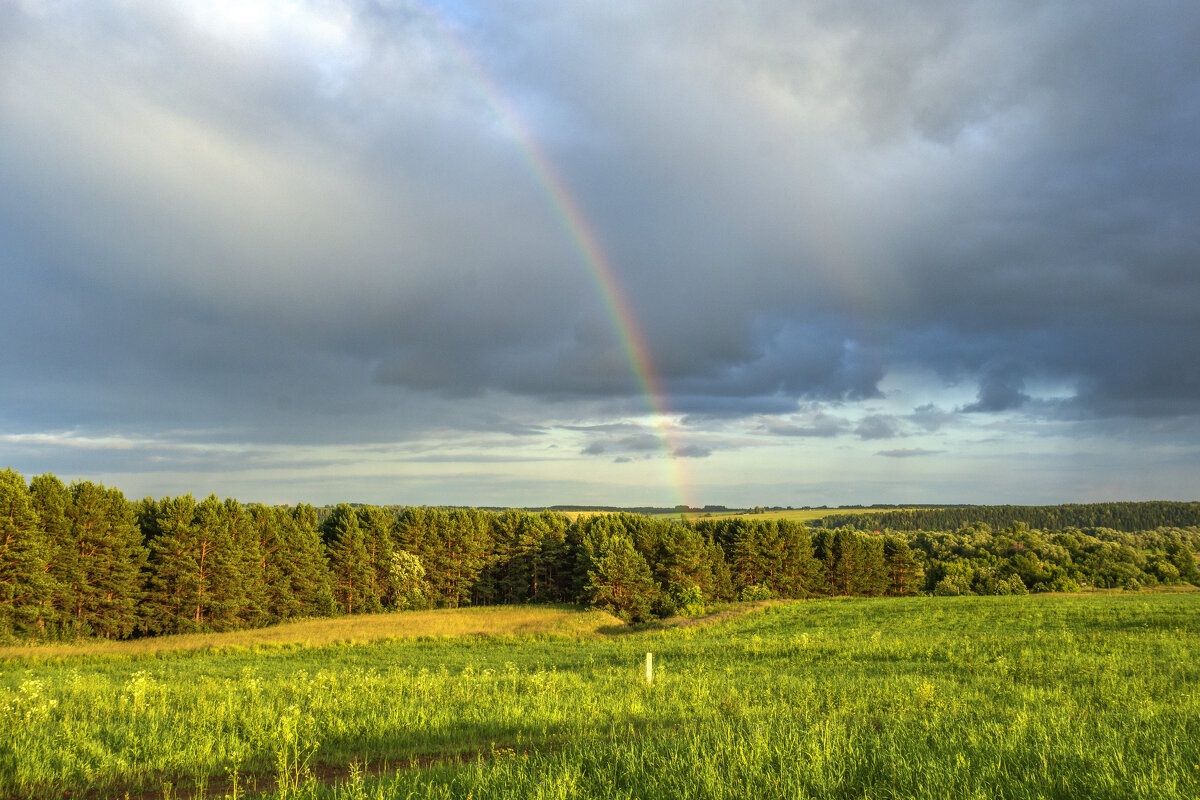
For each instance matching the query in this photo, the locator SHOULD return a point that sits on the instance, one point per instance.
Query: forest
(82, 560)
(1117, 516)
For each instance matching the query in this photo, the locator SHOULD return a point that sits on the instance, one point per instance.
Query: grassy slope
(487, 621)
(1040, 696)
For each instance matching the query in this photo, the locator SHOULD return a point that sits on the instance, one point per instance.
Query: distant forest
(1116, 516)
(82, 560)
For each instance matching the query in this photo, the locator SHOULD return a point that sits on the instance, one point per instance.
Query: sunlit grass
(804, 515)
(364, 629)
(1010, 697)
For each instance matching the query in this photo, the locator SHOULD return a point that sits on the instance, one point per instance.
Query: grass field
(490, 621)
(1015, 697)
(805, 515)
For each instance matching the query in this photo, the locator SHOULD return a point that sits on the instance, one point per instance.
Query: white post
(649, 668)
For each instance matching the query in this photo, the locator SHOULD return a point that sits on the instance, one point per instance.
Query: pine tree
(800, 574)
(747, 564)
(311, 580)
(722, 579)
(279, 598)
(419, 531)
(840, 567)
(870, 579)
(27, 588)
(174, 578)
(110, 557)
(349, 562)
(376, 529)
(553, 560)
(511, 564)
(460, 556)
(245, 564)
(903, 572)
(219, 595)
(621, 580)
(683, 561)
(51, 500)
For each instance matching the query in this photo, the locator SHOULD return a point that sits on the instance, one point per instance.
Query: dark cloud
(877, 426)
(912, 452)
(1000, 389)
(330, 229)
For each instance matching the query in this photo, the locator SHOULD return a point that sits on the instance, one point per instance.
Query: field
(803, 515)
(1055, 696)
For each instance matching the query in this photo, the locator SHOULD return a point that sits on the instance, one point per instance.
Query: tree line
(1143, 516)
(81, 560)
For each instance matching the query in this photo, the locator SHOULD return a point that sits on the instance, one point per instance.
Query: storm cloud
(331, 224)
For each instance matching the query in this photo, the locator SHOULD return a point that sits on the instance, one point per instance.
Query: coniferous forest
(82, 560)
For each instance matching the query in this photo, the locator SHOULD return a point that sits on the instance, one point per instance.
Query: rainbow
(584, 240)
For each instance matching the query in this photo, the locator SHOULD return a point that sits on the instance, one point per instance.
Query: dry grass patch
(803, 515)
(441, 623)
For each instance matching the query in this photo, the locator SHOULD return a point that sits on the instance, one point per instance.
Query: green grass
(1012, 697)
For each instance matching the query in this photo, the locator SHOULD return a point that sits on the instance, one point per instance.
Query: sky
(612, 252)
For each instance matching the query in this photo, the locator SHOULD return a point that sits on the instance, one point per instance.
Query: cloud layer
(292, 224)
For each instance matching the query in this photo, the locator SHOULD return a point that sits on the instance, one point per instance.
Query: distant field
(1000, 697)
(804, 515)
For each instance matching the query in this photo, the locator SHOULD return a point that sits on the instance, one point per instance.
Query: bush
(689, 601)
(952, 586)
(756, 592)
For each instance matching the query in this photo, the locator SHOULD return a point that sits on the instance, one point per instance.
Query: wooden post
(649, 668)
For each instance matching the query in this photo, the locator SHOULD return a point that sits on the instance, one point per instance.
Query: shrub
(689, 601)
(756, 592)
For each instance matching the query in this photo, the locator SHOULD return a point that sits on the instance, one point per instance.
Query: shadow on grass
(342, 759)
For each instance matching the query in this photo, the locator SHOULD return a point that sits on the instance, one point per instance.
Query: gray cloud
(692, 451)
(877, 426)
(330, 229)
(911, 452)
(930, 418)
(1000, 389)
(814, 424)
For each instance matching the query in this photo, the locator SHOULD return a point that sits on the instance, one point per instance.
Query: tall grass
(1014, 697)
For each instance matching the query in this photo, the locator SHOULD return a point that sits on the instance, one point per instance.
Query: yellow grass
(443, 623)
(804, 515)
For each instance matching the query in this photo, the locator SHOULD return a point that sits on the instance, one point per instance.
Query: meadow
(1038, 696)
(804, 516)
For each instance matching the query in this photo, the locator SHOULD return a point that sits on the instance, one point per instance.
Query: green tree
(903, 571)
(248, 591)
(295, 573)
(173, 573)
(51, 500)
(621, 580)
(107, 547)
(349, 562)
(376, 528)
(408, 578)
(308, 567)
(684, 563)
(27, 588)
